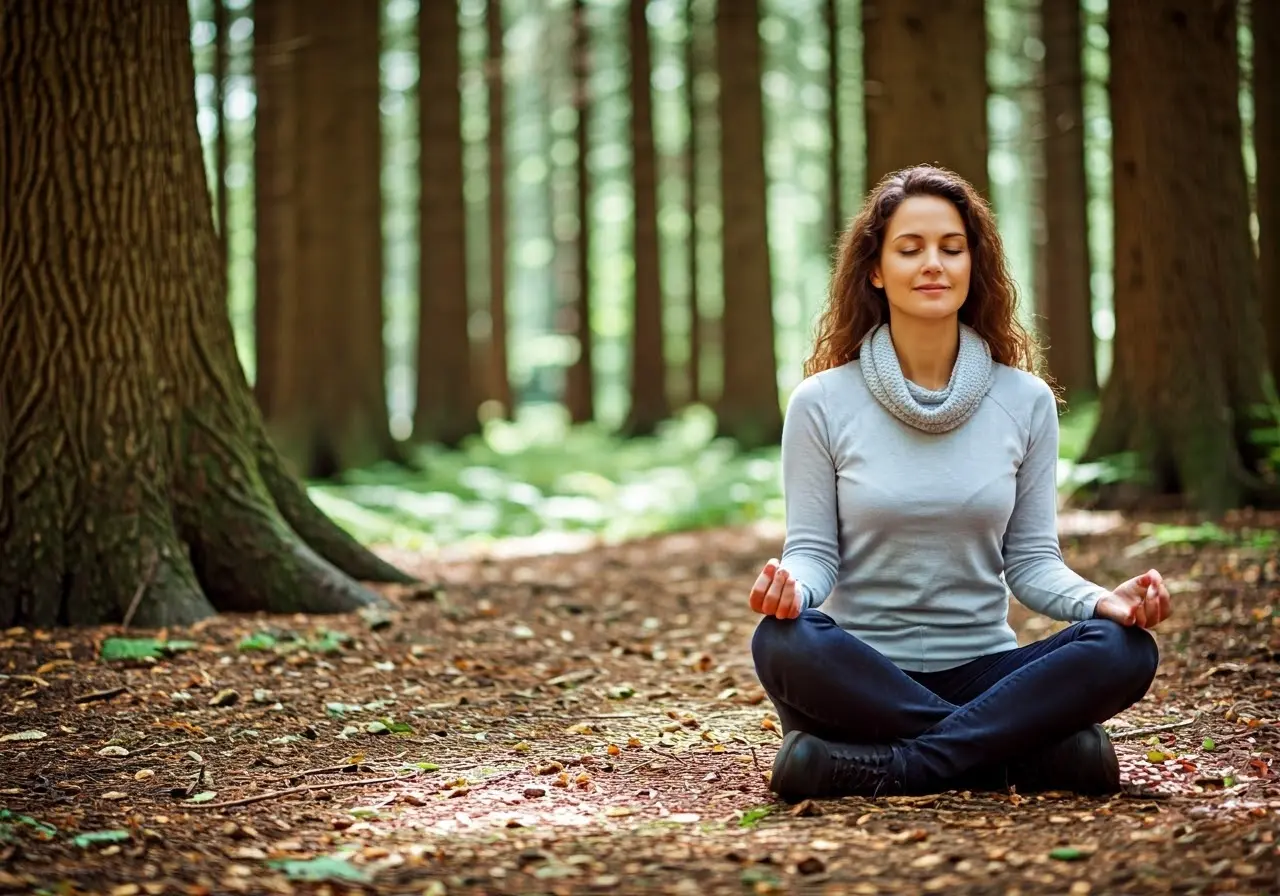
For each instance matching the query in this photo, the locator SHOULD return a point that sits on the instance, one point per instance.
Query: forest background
(550, 345)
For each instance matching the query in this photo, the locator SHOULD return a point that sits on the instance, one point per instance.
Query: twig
(675, 756)
(754, 757)
(302, 789)
(471, 788)
(142, 586)
(1138, 732)
(101, 695)
(640, 765)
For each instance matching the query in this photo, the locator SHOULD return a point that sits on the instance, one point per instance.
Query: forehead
(925, 215)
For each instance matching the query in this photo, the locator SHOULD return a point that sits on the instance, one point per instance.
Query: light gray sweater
(902, 535)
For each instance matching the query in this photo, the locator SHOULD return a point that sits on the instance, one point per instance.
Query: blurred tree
(748, 409)
(580, 378)
(1188, 368)
(1266, 141)
(1067, 300)
(835, 184)
(320, 356)
(924, 64)
(446, 404)
(649, 404)
(498, 381)
(694, 64)
(136, 478)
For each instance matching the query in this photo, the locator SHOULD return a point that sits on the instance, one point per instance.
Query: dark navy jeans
(960, 722)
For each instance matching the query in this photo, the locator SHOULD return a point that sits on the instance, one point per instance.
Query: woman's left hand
(1141, 601)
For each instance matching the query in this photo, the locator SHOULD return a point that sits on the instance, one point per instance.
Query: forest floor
(590, 722)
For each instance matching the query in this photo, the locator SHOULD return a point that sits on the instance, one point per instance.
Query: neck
(926, 349)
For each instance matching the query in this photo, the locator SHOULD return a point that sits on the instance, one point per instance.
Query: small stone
(225, 697)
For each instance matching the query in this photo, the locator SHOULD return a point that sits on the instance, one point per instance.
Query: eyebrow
(916, 236)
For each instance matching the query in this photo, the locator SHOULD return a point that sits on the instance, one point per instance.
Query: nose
(933, 261)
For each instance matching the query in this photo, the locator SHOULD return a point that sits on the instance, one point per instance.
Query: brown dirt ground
(590, 722)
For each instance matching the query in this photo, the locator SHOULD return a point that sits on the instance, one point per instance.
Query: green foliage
(538, 476)
(142, 648)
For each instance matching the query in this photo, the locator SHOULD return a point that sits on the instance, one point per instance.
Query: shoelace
(854, 771)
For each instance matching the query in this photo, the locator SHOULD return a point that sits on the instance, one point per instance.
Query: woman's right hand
(774, 592)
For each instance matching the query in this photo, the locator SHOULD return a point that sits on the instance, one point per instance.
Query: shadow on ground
(591, 722)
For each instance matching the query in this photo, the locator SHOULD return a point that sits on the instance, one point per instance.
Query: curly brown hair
(855, 307)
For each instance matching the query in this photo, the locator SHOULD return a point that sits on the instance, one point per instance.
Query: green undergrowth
(538, 476)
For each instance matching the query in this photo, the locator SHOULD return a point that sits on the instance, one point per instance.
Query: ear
(876, 280)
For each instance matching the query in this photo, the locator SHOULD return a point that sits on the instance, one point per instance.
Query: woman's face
(924, 262)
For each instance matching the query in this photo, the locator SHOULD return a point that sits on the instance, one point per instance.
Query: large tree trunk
(748, 410)
(1189, 358)
(323, 390)
(831, 22)
(1067, 302)
(498, 376)
(1266, 144)
(649, 404)
(925, 67)
(134, 468)
(580, 379)
(446, 404)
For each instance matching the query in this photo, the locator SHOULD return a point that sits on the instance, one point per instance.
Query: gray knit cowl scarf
(929, 410)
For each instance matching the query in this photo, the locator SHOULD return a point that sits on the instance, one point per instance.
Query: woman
(919, 459)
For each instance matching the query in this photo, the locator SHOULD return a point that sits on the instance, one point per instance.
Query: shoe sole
(1109, 760)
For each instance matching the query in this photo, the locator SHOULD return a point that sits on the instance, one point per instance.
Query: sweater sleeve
(811, 552)
(1034, 569)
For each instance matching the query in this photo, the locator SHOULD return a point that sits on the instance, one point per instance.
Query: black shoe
(807, 767)
(1084, 763)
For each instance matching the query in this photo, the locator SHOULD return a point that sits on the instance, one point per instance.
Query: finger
(1139, 616)
(789, 605)
(761, 585)
(1166, 606)
(774, 594)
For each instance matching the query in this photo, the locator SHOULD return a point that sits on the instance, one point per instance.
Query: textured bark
(580, 378)
(925, 68)
(221, 50)
(134, 467)
(324, 392)
(748, 410)
(498, 385)
(1189, 361)
(1266, 144)
(446, 404)
(1067, 300)
(649, 404)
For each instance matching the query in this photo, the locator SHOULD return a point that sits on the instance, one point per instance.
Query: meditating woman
(919, 458)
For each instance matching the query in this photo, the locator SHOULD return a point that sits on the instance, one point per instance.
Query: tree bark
(1188, 369)
(134, 466)
(649, 403)
(446, 403)
(749, 410)
(1266, 144)
(580, 381)
(221, 51)
(831, 22)
(324, 393)
(499, 376)
(925, 68)
(1068, 302)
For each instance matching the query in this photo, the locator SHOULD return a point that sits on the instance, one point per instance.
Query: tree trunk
(1189, 359)
(924, 63)
(580, 391)
(748, 410)
(499, 377)
(831, 21)
(1266, 143)
(1068, 304)
(446, 403)
(324, 396)
(692, 69)
(649, 404)
(134, 468)
(221, 50)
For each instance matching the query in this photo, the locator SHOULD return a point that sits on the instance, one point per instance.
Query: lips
(933, 288)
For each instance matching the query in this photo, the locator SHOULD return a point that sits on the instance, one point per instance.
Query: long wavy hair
(855, 307)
